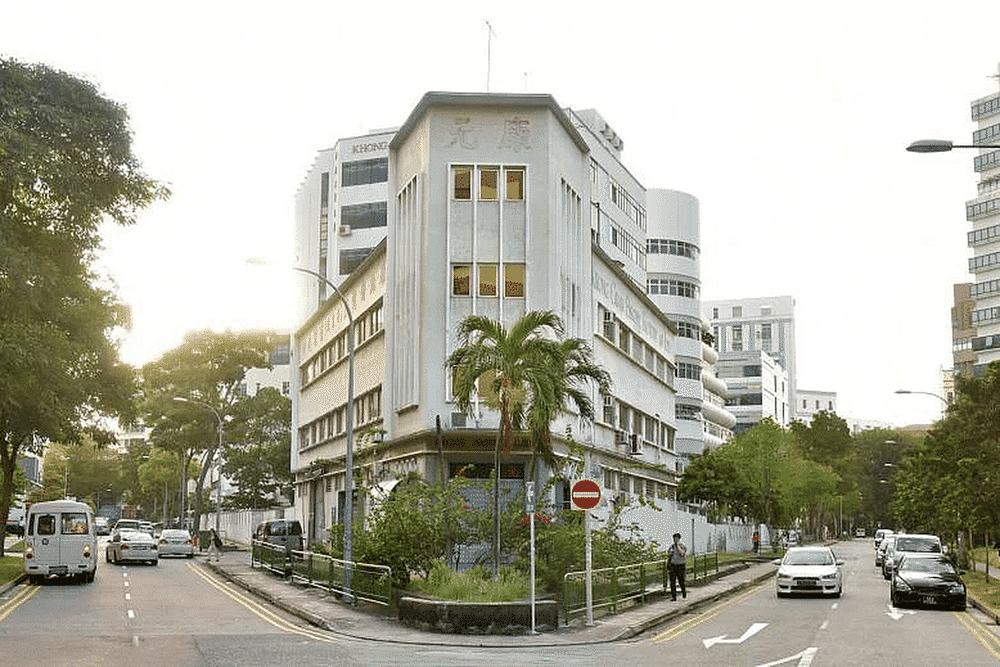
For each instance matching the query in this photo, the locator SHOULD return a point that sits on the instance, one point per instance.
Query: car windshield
(809, 558)
(182, 534)
(916, 544)
(927, 565)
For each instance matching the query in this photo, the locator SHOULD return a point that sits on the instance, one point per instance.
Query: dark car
(285, 533)
(927, 579)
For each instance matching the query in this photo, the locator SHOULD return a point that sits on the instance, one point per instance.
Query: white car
(130, 546)
(175, 542)
(809, 570)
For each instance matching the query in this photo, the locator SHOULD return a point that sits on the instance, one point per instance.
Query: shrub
(475, 585)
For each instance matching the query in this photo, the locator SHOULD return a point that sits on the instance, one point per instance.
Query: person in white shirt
(677, 566)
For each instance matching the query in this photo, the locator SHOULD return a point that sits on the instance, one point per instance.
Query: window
(513, 280)
(460, 276)
(352, 258)
(462, 181)
(487, 280)
(515, 183)
(46, 524)
(363, 172)
(737, 342)
(362, 216)
(488, 183)
(737, 311)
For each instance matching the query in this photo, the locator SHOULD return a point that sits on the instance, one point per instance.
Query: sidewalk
(327, 612)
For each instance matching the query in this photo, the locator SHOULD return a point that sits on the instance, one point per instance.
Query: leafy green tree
(67, 166)
(529, 374)
(206, 371)
(713, 478)
(258, 457)
(416, 525)
(155, 475)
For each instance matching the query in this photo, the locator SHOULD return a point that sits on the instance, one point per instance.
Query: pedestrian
(677, 566)
(214, 545)
(756, 542)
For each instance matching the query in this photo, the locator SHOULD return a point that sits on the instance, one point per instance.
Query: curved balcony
(713, 384)
(717, 415)
(709, 354)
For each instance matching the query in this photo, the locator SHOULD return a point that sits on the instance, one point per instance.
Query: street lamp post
(217, 458)
(925, 393)
(349, 455)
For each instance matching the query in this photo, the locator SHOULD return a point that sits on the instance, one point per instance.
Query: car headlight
(957, 589)
(830, 577)
(902, 585)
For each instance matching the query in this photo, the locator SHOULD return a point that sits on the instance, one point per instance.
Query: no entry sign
(585, 494)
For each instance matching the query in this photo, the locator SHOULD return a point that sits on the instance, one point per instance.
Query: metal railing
(613, 587)
(370, 583)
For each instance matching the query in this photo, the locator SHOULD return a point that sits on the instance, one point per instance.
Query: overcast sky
(787, 120)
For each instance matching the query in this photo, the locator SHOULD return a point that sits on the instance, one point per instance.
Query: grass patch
(475, 585)
(11, 568)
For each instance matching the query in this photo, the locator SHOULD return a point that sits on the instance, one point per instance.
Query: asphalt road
(178, 613)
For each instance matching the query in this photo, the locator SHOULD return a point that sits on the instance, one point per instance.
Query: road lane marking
(721, 639)
(261, 611)
(982, 634)
(20, 598)
(805, 658)
(708, 615)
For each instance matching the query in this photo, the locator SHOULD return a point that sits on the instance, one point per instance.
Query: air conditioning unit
(345, 230)
(634, 444)
(621, 438)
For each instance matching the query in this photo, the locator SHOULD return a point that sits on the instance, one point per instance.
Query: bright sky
(788, 120)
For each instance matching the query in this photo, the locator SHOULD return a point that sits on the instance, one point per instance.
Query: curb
(13, 583)
(984, 609)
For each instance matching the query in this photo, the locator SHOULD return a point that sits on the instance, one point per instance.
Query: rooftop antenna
(489, 35)
(995, 76)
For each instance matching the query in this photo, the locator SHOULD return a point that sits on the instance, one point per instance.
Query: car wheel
(107, 556)
(154, 562)
(189, 556)
(840, 591)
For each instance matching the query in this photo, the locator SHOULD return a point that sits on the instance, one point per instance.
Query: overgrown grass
(10, 568)
(475, 585)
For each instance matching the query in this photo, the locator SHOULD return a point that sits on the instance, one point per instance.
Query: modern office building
(340, 212)
(673, 282)
(757, 388)
(497, 204)
(984, 238)
(743, 328)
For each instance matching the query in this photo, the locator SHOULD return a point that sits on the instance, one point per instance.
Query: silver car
(809, 570)
(174, 542)
(131, 546)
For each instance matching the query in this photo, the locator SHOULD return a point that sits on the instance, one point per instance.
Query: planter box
(477, 618)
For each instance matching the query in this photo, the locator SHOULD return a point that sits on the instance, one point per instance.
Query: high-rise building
(756, 334)
(963, 333)
(984, 239)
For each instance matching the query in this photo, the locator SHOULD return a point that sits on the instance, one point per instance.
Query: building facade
(983, 213)
(497, 205)
(743, 328)
(673, 282)
(810, 402)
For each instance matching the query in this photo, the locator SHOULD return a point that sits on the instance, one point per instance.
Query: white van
(59, 539)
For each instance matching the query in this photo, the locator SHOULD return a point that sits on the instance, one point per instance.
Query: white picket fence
(236, 527)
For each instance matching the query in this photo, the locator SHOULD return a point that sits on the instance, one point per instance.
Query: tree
(67, 166)
(258, 457)
(529, 374)
(206, 371)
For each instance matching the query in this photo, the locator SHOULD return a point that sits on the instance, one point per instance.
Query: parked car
(880, 535)
(131, 546)
(903, 543)
(101, 525)
(859, 532)
(814, 570)
(880, 551)
(285, 533)
(174, 542)
(927, 579)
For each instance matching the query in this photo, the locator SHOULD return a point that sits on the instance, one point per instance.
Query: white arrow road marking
(896, 614)
(805, 658)
(721, 639)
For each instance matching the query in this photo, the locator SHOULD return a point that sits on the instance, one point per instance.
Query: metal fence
(614, 587)
(370, 583)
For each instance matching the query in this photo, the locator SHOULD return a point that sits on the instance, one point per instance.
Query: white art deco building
(496, 205)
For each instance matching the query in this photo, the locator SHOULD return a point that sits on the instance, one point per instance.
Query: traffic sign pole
(590, 570)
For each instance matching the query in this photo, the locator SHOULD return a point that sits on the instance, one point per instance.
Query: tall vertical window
(737, 339)
(487, 280)
(513, 280)
(462, 182)
(460, 275)
(488, 183)
(515, 183)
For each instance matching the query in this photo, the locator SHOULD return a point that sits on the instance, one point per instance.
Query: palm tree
(529, 374)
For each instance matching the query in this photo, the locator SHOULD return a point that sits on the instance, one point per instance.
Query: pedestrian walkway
(328, 612)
